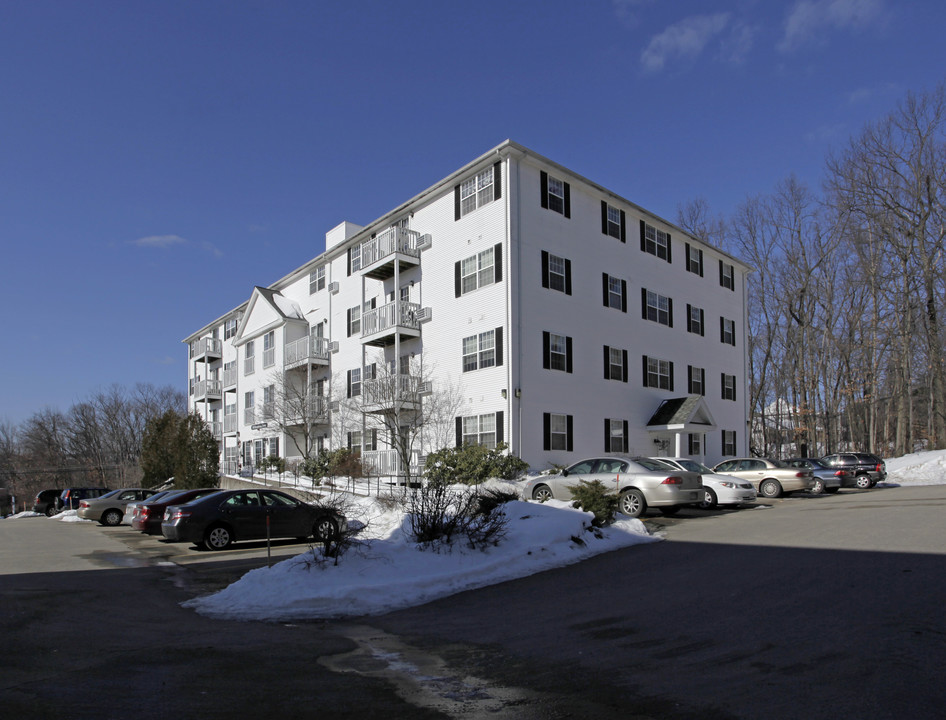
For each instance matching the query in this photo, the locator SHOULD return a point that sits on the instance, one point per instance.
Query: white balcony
(396, 245)
(387, 463)
(208, 390)
(382, 325)
(306, 351)
(392, 393)
(315, 412)
(206, 349)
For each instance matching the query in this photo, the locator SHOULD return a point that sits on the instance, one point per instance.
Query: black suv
(47, 502)
(868, 469)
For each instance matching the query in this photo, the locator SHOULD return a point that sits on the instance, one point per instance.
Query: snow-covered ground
(389, 571)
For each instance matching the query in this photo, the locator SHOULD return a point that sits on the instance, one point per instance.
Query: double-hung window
(269, 349)
(249, 408)
(613, 222)
(269, 402)
(483, 350)
(615, 435)
(229, 328)
(476, 271)
(480, 430)
(656, 308)
(557, 432)
(557, 352)
(556, 273)
(354, 382)
(727, 275)
(615, 364)
(249, 358)
(317, 280)
(729, 442)
(694, 320)
(556, 194)
(477, 191)
(729, 386)
(694, 259)
(696, 380)
(614, 291)
(727, 331)
(658, 373)
(655, 241)
(354, 321)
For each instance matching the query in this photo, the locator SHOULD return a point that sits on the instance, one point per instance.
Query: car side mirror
(564, 473)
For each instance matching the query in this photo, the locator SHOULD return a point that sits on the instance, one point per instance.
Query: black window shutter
(690, 379)
(348, 312)
(499, 427)
(568, 354)
(645, 369)
(348, 393)
(545, 268)
(607, 363)
(624, 296)
(686, 255)
(701, 263)
(349, 441)
(349, 268)
(570, 444)
(456, 203)
(702, 381)
(546, 431)
(568, 200)
(624, 361)
(670, 311)
(497, 181)
(722, 385)
(498, 261)
(459, 432)
(625, 435)
(721, 274)
(499, 346)
(607, 435)
(643, 236)
(623, 228)
(456, 279)
(733, 387)
(604, 287)
(702, 324)
(689, 321)
(604, 217)
(546, 346)
(568, 277)
(671, 375)
(722, 329)
(669, 249)
(544, 180)
(643, 303)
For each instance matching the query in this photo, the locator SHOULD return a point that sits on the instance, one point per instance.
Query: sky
(158, 160)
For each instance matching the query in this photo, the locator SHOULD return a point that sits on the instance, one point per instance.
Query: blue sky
(159, 159)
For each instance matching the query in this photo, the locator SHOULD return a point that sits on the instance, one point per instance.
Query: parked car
(717, 489)
(639, 483)
(215, 521)
(868, 469)
(70, 498)
(47, 502)
(827, 480)
(132, 507)
(771, 478)
(110, 508)
(149, 514)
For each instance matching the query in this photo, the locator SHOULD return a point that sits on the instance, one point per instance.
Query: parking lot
(811, 607)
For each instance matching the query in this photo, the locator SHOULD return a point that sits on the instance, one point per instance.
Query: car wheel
(818, 487)
(218, 537)
(709, 499)
(670, 510)
(863, 482)
(542, 493)
(770, 488)
(112, 517)
(325, 528)
(50, 510)
(632, 503)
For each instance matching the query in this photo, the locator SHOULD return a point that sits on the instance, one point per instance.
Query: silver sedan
(638, 482)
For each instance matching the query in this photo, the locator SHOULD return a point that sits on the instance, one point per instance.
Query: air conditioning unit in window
(425, 314)
(333, 346)
(333, 287)
(424, 241)
(333, 406)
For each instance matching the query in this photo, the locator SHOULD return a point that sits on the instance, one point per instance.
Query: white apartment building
(513, 301)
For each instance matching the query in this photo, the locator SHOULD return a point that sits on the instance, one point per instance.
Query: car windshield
(693, 466)
(651, 464)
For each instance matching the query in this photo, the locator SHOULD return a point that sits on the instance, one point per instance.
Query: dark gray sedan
(217, 520)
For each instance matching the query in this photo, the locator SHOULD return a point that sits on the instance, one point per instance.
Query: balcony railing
(388, 393)
(397, 315)
(315, 412)
(387, 463)
(206, 348)
(307, 349)
(209, 389)
(376, 256)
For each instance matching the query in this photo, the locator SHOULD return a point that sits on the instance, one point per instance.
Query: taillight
(673, 480)
(177, 515)
(143, 512)
(877, 468)
(83, 503)
(802, 474)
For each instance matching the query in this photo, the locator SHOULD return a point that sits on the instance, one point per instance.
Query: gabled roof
(265, 310)
(685, 413)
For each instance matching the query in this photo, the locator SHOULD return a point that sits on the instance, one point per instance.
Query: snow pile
(69, 516)
(392, 572)
(923, 468)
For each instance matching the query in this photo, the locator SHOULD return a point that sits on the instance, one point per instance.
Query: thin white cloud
(627, 11)
(159, 241)
(808, 20)
(163, 242)
(736, 45)
(685, 39)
